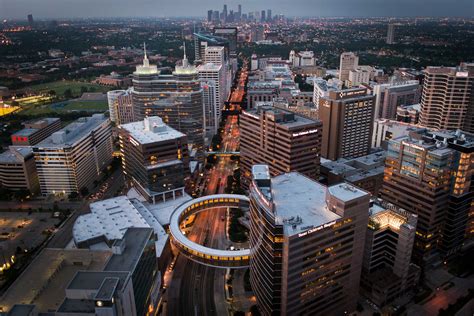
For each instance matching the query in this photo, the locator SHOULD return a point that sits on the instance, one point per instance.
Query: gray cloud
(13, 9)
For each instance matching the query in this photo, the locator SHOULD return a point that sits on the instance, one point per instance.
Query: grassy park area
(60, 87)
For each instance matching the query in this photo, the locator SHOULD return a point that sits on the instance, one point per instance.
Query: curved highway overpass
(199, 253)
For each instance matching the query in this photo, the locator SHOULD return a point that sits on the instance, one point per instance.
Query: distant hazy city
(243, 162)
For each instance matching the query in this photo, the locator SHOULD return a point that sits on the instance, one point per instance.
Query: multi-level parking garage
(199, 253)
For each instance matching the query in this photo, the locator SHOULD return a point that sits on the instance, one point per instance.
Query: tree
(83, 89)
(68, 94)
(84, 191)
(73, 195)
(254, 310)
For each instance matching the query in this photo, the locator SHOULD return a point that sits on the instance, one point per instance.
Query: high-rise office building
(387, 271)
(269, 15)
(176, 98)
(389, 96)
(257, 33)
(73, 158)
(214, 78)
(120, 106)
(390, 34)
(262, 16)
(430, 174)
(229, 33)
(209, 15)
(447, 98)
(154, 158)
(31, 22)
(347, 117)
(281, 139)
(306, 257)
(204, 40)
(348, 61)
(209, 93)
(224, 14)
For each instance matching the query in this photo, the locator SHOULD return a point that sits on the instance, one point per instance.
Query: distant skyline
(41, 9)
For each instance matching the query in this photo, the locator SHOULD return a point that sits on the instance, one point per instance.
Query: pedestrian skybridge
(204, 255)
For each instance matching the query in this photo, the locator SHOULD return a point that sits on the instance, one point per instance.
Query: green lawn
(61, 86)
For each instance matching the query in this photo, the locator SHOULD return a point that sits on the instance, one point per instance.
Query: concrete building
(261, 91)
(306, 257)
(120, 106)
(210, 108)
(155, 158)
(108, 221)
(365, 172)
(390, 34)
(72, 158)
(17, 169)
(359, 76)
(229, 33)
(114, 80)
(409, 113)
(281, 139)
(35, 131)
(175, 98)
(214, 75)
(447, 98)
(429, 174)
(385, 130)
(347, 117)
(387, 271)
(322, 88)
(204, 40)
(37, 285)
(389, 96)
(348, 61)
(302, 59)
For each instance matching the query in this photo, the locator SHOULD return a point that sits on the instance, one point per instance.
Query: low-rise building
(17, 169)
(35, 131)
(385, 130)
(365, 172)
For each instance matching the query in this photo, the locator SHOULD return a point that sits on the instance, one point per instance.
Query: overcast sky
(15, 9)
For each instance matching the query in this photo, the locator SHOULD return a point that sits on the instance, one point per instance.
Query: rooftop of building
(311, 211)
(438, 142)
(386, 215)
(73, 132)
(32, 127)
(109, 218)
(22, 310)
(283, 117)
(151, 130)
(134, 242)
(44, 281)
(463, 70)
(209, 67)
(15, 154)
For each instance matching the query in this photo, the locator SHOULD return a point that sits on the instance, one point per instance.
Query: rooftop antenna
(185, 59)
(146, 63)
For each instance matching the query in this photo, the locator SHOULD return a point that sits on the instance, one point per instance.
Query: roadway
(196, 289)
